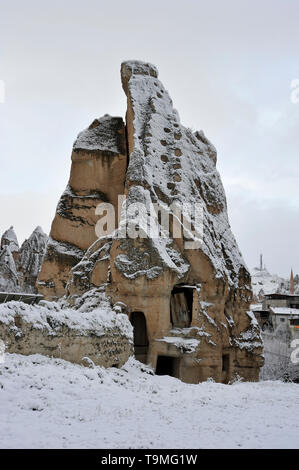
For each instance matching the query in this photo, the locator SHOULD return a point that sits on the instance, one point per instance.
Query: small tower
(261, 262)
(292, 283)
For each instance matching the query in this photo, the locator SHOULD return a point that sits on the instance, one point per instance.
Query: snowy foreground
(50, 403)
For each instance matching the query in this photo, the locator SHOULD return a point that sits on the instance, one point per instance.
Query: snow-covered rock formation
(10, 240)
(97, 175)
(31, 256)
(8, 272)
(19, 267)
(89, 333)
(187, 296)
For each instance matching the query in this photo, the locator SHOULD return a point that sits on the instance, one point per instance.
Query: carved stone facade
(189, 306)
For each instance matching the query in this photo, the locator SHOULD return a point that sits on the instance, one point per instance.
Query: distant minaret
(292, 283)
(261, 262)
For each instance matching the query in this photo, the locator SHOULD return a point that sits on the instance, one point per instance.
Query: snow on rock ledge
(168, 163)
(98, 170)
(90, 330)
(19, 267)
(169, 166)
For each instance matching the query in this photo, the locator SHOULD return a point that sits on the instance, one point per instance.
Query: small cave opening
(225, 368)
(225, 363)
(181, 305)
(167, 365)
(138, 322)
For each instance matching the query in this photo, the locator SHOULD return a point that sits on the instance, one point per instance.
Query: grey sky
(227, 65)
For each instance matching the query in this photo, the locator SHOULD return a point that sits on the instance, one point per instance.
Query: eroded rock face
(91, 333)
(189, 306)
(10, 240)
(169, 163)
(97, 175)
(9, 281)
(32, 253)
(19, 267)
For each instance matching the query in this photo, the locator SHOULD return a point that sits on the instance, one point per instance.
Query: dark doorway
(138, 322)
(167, 365)
(181, 304)
(225, 363)
(225, 368)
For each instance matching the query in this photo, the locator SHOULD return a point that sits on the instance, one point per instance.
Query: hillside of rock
(188, 294)
(97, 175)
(20, 266)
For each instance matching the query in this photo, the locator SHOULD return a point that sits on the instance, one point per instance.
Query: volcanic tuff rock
(97, 175)
(192, 304)
(90, 333)
(8, 271)
(10, 240)
(19, 267)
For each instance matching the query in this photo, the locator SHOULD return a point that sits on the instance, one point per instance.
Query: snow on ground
(50, 403)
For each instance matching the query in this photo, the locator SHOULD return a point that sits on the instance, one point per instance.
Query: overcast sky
(228, 66)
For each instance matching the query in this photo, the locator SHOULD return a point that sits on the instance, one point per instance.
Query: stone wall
(96, 334)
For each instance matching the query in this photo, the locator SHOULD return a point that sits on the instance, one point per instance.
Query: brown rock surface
(97, 175)
(189, 306)
(19, 267)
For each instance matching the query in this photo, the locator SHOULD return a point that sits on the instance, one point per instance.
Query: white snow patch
(187, 345)
(50, 403)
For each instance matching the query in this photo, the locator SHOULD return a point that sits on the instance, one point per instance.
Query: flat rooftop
(20, 297)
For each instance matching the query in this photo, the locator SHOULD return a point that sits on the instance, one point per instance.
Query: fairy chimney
(183, 282)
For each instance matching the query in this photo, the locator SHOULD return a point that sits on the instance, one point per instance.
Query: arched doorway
(167, 365)
(138, 322)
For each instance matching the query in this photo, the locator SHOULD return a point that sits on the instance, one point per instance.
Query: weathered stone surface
(19, 267)
(169, 164)
(98, 172)
(10, 240)
(58, 261)
(9, 281)
(88, 333)
(31, 257)
(109, 350)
